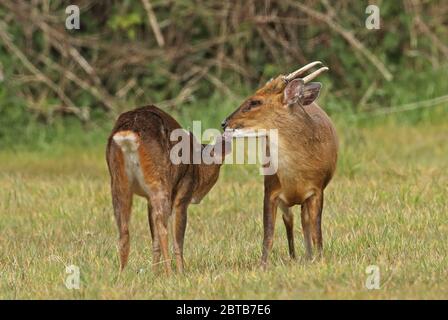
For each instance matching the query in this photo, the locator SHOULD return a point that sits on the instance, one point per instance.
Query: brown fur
(171, 187)
(307, 153)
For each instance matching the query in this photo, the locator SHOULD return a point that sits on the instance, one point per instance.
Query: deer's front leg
(272, 190)
(269, 215)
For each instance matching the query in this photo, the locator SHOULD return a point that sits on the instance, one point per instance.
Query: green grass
(386, 206)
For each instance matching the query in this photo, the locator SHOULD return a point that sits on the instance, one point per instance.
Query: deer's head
(274, 101)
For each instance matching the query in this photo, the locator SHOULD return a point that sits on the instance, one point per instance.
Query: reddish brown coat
(307, 155)
(149, 172)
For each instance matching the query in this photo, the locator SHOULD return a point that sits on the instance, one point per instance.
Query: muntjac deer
(138, 158)
(307, 153)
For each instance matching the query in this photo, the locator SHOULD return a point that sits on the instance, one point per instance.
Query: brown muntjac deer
(139, 162)
(307, 153)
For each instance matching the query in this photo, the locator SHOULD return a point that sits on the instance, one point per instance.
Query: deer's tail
(127, 140)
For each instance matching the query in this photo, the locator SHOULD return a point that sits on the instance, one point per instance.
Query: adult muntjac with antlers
(307, 152)
(140, 162)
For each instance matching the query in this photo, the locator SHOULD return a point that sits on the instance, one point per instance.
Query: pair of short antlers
(308, 78)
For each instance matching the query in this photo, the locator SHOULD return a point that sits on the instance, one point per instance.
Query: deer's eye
(252, 104)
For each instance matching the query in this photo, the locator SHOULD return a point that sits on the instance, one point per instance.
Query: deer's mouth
(244, 133)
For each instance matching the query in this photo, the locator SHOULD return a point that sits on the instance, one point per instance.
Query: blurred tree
(129, 53)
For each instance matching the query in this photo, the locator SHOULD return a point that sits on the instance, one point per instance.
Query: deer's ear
(293, 91)
(310, 93)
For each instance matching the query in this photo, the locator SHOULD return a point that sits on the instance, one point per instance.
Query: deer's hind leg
(155, 239)
(122, 203)
(311, 223)
(305, 219)
(155, 182)
(288, 219)
(179, 227)
(315, 206)
(161, 204)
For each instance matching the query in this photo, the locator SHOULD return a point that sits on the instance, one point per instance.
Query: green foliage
(13, 117)
(241, 44)
(127, 23)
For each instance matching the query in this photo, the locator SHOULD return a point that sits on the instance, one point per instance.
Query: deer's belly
(295, 195)
(300, 177)
(296, 187)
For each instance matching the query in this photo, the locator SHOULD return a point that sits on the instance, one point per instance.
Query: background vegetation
(180, 55)
(60, 91)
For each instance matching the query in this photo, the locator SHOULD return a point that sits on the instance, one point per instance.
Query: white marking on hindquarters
(128, 142)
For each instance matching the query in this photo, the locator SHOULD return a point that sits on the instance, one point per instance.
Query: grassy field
(386, 206)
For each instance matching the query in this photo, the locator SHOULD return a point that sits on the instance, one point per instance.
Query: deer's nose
(224, 124)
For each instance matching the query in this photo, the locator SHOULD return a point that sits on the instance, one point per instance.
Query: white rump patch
(127, 140)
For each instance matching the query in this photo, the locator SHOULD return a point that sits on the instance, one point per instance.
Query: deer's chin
(244, 133)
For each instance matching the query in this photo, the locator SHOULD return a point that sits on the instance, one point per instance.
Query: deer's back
(149, 122)
(153, 128)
